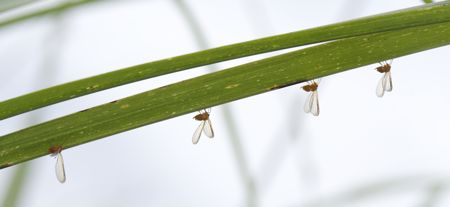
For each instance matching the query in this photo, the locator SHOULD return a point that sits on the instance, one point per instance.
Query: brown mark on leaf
(275, 87)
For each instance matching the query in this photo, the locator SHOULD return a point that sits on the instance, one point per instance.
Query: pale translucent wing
(380, 87)
(384, 81)
(308, 103)
(208, 129)
(197, 133)
(60, 172)
(388, 82)
(315, 103)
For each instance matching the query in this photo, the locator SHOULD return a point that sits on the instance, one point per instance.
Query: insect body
(385, 83)
(59, 168)
(204, 126)
(312, 102)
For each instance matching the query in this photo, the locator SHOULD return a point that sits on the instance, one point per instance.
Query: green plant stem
(218, 88)
(407, 18)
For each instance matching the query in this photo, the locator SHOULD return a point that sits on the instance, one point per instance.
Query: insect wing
(198, 132)
(388, 82)
(315, 103)
(59, 168)
(208, 129)
(308, 103)
(380, 86)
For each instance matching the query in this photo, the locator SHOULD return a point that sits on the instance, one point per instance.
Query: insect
(385, 83)
(312, 102)
(204, 126)
(59, 167)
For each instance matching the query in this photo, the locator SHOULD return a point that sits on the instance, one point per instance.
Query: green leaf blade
(416, 16)
(218, 88)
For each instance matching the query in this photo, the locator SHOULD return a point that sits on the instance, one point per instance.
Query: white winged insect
(205, 126)
(312, 101)
(59, 167)
(385, 83)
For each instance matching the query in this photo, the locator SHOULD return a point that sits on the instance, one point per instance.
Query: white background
(361, 151)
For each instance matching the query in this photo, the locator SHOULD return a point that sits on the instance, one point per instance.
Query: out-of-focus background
(361, 151)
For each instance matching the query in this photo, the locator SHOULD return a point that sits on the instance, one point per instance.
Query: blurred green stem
(433, 193)
(6, 5)
(236, 145)
(57, 8)
(389, 187)
(16, 186)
